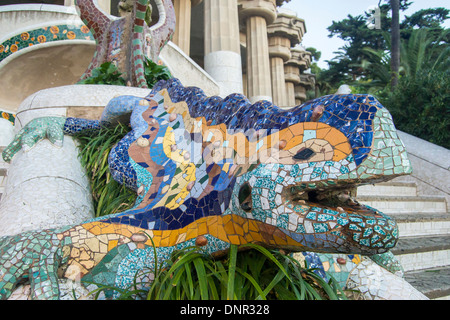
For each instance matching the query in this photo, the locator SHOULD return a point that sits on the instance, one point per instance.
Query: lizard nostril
(304, 154)
(245, 197)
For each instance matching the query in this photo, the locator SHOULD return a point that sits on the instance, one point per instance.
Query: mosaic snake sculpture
(126, 41)
(214, 172)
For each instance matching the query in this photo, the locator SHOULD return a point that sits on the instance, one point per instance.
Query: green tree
(420, 103)
(421, 106)
(420, 53)
(348, 64)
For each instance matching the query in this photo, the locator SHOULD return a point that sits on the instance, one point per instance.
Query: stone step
(389, 189)
(423, 224)
(434, 283)
(395, 205)
(417, 253)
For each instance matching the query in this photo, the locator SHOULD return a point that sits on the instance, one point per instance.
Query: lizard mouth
(341, 199)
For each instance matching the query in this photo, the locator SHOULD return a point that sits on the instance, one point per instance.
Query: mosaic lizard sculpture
(214, 172)
(127, 40)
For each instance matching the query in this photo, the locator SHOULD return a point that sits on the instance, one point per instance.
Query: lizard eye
(304, 154)
(245, 197)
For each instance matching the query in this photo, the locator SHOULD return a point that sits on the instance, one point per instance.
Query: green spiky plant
(107, 73)
(109, 196)
(248, 272)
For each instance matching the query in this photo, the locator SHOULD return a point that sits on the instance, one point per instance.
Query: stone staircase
(424, 226)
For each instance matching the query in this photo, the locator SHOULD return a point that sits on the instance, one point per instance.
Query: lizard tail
(138, 46)
(156, 36)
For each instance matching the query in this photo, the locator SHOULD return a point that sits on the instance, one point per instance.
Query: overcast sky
(319, 15)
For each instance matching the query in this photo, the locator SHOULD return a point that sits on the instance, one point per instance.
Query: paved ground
(433, 282)
(422, 244)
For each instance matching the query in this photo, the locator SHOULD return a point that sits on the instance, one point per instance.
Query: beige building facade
(247, 46)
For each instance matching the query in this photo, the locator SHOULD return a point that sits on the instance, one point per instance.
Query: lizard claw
(51, 128)
(389, 262)
(33, 257)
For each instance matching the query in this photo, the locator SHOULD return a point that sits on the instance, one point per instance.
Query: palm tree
(395, 42)
(420, 53)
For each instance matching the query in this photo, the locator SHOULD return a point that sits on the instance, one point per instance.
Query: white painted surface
(47, 186)
(6, 132)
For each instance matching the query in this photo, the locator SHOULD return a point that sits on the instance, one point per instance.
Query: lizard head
(284, 178)
(305, 185)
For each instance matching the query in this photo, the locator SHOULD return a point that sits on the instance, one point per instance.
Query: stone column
(306, 82)
(292, 69)
(292, 76)
(105, 5)
(222, 47)
(69, 3)
(286, 32)
(300, 94)
(182, 35)
(257, 14)
(278, 56)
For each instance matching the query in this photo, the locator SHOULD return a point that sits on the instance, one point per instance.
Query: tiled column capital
(300, 61)
(307, 82)
(258, 8)
(304, 58)
(287, 25)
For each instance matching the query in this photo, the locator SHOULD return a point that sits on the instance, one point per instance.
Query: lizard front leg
(33, 256)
